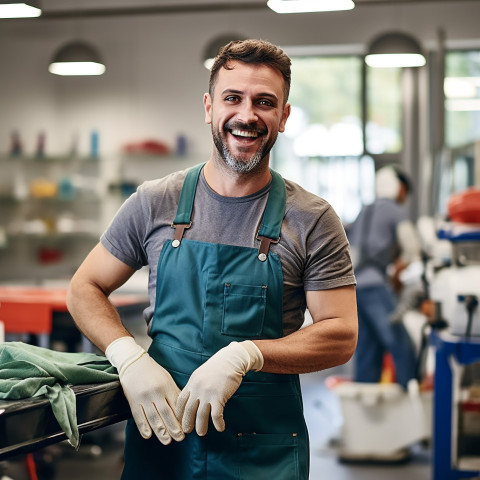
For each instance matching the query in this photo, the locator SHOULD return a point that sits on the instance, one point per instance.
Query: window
(323, 147)
(384, 111)
(458, 165)
(462, 98)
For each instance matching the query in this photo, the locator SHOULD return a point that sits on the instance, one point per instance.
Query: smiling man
(247, 118)
(217, 396)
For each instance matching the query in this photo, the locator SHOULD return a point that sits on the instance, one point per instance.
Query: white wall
(155, 80)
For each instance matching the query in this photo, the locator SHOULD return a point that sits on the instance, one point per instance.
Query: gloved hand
(212, 384)
(149, 388)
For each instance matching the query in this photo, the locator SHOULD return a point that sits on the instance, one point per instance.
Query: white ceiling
(73, 8)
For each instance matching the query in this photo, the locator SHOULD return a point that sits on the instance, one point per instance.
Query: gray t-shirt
(313, 247)
(374, 232)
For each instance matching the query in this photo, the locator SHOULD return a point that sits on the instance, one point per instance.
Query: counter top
(56, 297)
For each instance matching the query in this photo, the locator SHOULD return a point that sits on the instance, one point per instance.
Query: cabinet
(449, 461)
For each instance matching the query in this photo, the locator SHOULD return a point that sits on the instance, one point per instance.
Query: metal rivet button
(262, 257)
(175, 243)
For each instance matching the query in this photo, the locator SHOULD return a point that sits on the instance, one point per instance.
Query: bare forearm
(314, 348)
(330, 341)
(87, 298)
(94, 314)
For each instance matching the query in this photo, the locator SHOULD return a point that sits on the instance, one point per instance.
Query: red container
(464, 207)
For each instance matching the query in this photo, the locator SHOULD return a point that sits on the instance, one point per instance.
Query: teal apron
(209, 295)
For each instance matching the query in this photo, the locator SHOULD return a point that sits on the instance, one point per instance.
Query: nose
(247, 113)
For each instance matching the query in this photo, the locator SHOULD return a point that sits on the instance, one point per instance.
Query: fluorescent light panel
(77, 58)
(18, 10)
(390, 60)
(300, 6)
(76, 68)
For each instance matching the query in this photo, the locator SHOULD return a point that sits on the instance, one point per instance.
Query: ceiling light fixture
(16, 9)
(301, 6)
(77, 59)
(215, 45)
(395, 49)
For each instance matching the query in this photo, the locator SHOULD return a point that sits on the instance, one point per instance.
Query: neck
(228, 183)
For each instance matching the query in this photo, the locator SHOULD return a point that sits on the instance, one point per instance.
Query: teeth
(245, 133)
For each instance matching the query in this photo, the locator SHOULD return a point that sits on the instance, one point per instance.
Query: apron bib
(207, 296)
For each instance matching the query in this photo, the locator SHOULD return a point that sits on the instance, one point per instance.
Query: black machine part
(29, 424)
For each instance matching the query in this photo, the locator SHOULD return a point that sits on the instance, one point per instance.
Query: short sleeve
(329, 262)
(124, 236)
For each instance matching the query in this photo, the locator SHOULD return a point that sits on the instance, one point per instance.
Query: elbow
(70, 299)
(348, 352)
(351, 339)
(347, 344)
(76, 291)
(339, 347)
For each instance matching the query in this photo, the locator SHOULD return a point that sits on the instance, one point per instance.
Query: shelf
(54, 235)
(12, 199)
(466, 351)
(468, 463)
(49, 159)
(166, 157)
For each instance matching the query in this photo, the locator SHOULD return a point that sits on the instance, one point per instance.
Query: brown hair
(252, 51)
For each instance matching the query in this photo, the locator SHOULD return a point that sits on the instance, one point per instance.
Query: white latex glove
(212, 384)
(149, 389)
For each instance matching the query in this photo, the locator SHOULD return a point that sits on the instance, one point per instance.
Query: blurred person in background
(384, 242)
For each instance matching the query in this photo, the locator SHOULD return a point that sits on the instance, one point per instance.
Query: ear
(207, 105)
(285, 115)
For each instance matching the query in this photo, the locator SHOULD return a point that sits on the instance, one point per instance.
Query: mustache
(249, 127)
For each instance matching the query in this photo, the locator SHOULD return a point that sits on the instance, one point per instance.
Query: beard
(238, 163)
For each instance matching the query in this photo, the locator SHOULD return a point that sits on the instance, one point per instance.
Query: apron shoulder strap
(271, 225)
(183, 216)
(187, 195)
(275, 209)
(269, 231)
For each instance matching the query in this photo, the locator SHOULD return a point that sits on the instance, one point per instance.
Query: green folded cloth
(28, 371)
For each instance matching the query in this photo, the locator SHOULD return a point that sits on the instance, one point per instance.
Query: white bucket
(380, 419)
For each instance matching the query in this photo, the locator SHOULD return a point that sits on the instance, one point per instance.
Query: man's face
(246, 113)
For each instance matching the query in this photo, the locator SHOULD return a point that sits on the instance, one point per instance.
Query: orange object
(151, 147)
(464, 207)
(333, 381)
(26, 317)
(30, 309)
(43, 188)
(388, 370)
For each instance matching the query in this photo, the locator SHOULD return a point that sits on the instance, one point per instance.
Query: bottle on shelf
(16, 147)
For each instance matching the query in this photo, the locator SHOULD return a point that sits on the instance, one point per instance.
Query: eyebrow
(240, 92)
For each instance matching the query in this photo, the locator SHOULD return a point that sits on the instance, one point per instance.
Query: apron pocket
(243, 310)
(267, 456)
